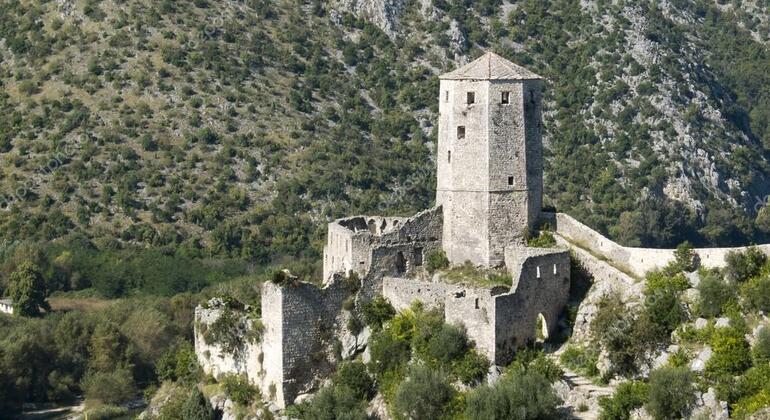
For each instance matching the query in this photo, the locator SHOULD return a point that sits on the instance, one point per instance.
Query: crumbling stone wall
(303, 321)
(499, 320)
(541, 281)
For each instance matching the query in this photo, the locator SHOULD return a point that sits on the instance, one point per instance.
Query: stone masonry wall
(541, 281)
(637, 260)
(309, 318)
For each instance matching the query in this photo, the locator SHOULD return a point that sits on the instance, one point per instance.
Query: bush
(519, 395)
(353, 375)
(378, 311)
(387, 353)
(627, 397)
(472, 368)
(671, 393)
(425, 394)
(742, 266)
(238, 388)
(756, 293)
(731, 354)
(332, 403)
(111, 387)
(761, 350)
(178, 363)
(715, 293)
(437, 260)
(582, 360)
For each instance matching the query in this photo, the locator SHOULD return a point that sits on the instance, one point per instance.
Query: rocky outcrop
(383, 13)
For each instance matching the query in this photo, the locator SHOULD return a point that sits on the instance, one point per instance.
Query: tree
(111, 387)
(197, 407)
(685, 258)
(28, 290)
(671, 393)
(425, 394)
(520, 395)
(714, 294)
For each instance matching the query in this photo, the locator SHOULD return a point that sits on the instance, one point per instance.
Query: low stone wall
(636, 260)
(402, 292)
(605, 279)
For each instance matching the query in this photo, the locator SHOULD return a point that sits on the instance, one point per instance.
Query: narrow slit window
(446, 96)
(477, 303)
(505, 98)
(510, 180)
(532, 96)
(554, 269)
(471, 98)
(538, 271)
(449, 156)
(460, 132)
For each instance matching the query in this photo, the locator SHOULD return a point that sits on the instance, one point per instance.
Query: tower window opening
(446, 96)
(554, 269)
(532, 96)
(538, 271)
(471, 98)
(505, 98)
(477, 303)
(449, 156)
(460, 132)
(510, 180)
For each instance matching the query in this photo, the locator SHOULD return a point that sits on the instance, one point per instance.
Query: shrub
(741, 266)
(580, 359)
(731, 354)
(111, 387)
(715, 293)
(671, 393)
(332, 403)
(437, 260)
(472, 368)
(440, 344)
(387, 353)
(627, 397)
(761, 350)
(238, 388)
(178, 363)
(378, 311)
(353, 375)
(756, 293)
(425, 394)
(519, 395)
(544, 240)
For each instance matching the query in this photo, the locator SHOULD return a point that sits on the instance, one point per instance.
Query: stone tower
(490, 164)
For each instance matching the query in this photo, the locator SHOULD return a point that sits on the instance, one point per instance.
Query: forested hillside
(238, 128)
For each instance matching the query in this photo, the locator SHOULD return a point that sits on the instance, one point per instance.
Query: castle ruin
(489, 193)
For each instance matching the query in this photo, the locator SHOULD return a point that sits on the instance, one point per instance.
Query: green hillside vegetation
(239, 130)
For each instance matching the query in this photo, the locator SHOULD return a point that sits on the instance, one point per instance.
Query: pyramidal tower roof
(490, 66)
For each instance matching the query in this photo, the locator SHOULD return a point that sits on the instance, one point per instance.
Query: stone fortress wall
(499, 320)
(637, 261)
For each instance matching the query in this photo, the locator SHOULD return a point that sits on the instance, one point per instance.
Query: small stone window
(532, 96)
(449, 156)
(400, 263)
(505, 98)
(510, 180)
(477, 303)
(460, 132)
(471, 99)
(446, 96)
(538, 272)
(555, 271)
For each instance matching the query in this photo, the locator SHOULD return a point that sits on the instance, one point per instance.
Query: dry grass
(66, 304)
